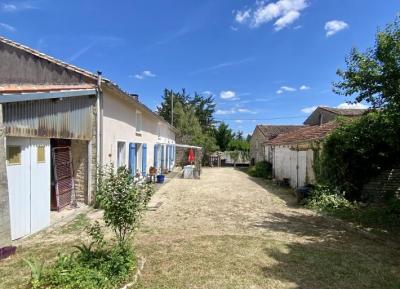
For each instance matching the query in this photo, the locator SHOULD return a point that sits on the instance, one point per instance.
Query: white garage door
(28, 173)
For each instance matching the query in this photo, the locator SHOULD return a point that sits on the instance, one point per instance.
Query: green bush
(359, 150)
(123, 201)
(261, 170)
(324, 198)
(385, 215)
(101, 264)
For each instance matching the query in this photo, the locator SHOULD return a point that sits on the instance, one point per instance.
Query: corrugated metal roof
(69, 118)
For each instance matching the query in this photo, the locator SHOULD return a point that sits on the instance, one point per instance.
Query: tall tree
(164, 109)
(204, 107)
(374, 76)
(223, 135)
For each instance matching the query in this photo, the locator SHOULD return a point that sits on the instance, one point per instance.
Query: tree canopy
(374, 75)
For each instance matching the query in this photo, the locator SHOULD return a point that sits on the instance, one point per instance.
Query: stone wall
(80, 168)
(5, 226)
(386, 184)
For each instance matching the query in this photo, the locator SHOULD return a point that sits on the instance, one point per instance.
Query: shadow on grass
(330, 255)
(284, 193)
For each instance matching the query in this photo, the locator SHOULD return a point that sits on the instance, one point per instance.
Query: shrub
(324, 198)
(358, 150)
(101, 264)
(261, 170)
(123, 201)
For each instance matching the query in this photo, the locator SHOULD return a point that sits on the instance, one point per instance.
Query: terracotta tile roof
(42, 88)
(271, 131)
(344, 111)
(304, 134)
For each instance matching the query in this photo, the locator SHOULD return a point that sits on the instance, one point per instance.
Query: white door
(28, 174)
(302, 168)
(18, 175)
(40, 184)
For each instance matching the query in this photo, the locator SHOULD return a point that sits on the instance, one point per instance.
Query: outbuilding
(293, 153)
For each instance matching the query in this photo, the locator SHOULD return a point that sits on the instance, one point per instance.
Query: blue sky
(265, 61)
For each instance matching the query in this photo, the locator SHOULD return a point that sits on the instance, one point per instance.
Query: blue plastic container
(160, 179)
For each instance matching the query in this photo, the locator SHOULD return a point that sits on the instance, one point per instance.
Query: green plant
(324, 198)
(36, 270)
(122, 200)
(261, 169)
(357, 151)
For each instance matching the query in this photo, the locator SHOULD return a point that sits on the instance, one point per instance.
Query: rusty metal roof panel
(69, 118)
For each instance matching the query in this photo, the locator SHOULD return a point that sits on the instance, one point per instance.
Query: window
(139, 121)
(14, 155)
(120, 154)
(41, 154)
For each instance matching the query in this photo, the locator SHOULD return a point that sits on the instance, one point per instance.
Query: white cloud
(225, 111)
(286, 19)
(148, 73)
(284, 88)
(309, 109)
(227, 94)
(242, 16)
(245, 110)
(9, 7)
(207, 93)
(139, 76)
(239, 121)
(352, 105)
(284, 11)
(143, 75)
(7, 27)
(304, 87)
(344, 105)
(234, 28)
(334, 26)
(17, 6)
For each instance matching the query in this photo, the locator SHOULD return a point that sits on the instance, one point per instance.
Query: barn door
(302, 168)
(40, 184)
(28, 170)
(19, 179)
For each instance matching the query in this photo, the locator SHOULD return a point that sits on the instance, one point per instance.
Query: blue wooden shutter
(155, 155)
(144, 159)
(132, 158)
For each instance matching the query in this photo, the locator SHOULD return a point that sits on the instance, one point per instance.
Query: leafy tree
(204, 108)
(164, 109)
(357, 151)
(223, 135)
(374, 75)
(238, 144)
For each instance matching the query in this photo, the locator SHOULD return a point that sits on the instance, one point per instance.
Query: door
(302, 168)
(18, 175)
(40, 184)
(28, 172)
